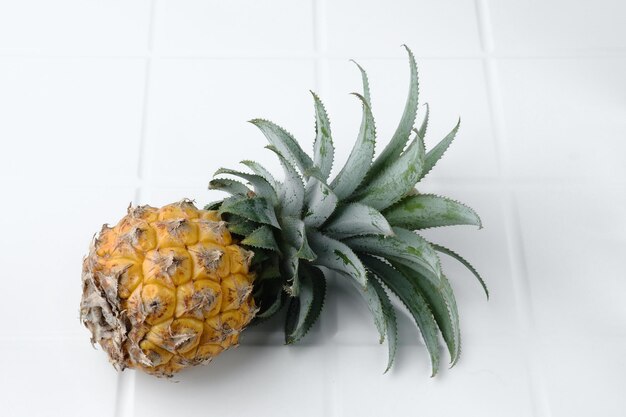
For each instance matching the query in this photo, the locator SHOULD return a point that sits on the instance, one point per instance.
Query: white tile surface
(564, 118)
(539, 87)
(376, 28)
(574, 244)
(202, 107)
(70, 118)
(55, 378)
(558, 26)
(232, 28)
(74, 26)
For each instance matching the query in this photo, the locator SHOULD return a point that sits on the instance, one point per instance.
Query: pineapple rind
(191, 301)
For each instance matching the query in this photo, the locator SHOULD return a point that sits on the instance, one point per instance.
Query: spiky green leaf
(263, 237)
(285, 143)
(261, 186)
(304, 310)
(396, 180)
(401, 136)
(292, 197)
(468, 265)
(389, 315)
(320, 202)
(366, 84)
(261, 171)
(356, 219)
(294, 233)
(433, 156)
(360, 158)
(422, 211)
(336, 256)
(256, 209)
(240, 225)
(441, 303)
(405, 246)
(421, 132)
(413, 300)
(323, 148)
(229, 186)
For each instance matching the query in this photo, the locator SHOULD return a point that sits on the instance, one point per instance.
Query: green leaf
(271, 299)
(294, 232)
(256, 209)
(263, 237)
(357, 219)
(441, 302)
(405, 247)
(360, 158)
(240, 225)
(413, 300)
(366, 84)
(285, 143)
(304, 310)
(336, 256)
(401, 136)
(261, 186)
(459, 258)
(320, 202)
(291, 266)
(323, 148)
(433, 156)
(229, 186)
(421, 132)
(374, 304)
(292, 200)
(389, 315)
(261, 171)
(395, 180)
(422, 211)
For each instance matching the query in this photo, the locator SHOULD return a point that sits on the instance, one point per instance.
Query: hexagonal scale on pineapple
(198, 299)
(176, 232)
(213, 231)
(127, 272)
(158, 303)
(183, 209)
(210, 261)
(169, 266)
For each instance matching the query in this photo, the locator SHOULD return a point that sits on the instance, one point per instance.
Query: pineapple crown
(361, 226)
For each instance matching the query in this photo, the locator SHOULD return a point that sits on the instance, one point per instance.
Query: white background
(107, 102)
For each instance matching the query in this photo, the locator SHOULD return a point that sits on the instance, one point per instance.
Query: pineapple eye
(178, 232)
(158, 303)
(169, 267)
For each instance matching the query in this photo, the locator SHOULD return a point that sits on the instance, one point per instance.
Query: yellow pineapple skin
(166, 288)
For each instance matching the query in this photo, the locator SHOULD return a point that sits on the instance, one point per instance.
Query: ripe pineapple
(172, 287)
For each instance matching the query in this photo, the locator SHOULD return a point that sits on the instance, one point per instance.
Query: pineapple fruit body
(166, 288)
(173, 287)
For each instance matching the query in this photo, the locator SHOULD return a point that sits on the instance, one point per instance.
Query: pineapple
(172, 287)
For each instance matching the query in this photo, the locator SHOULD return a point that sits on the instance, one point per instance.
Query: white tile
(377, 28)
(453, 88)
(557, 26)
(489, 380)
(564, 118)
(74, 26)
(584, 376)
(70, 118)
(59, 378)
(573, 242)
(247, 27)
(277, 381)
(199, 110)
(46, 233)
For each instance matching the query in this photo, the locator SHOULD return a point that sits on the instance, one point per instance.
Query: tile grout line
(519, 270)
(126, 382)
